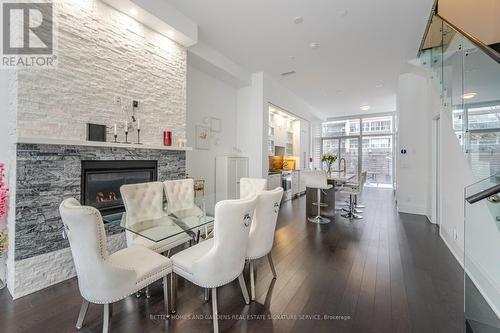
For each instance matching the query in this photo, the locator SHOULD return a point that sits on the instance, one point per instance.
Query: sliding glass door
(366, 144)
(378, 160)
(346, 148)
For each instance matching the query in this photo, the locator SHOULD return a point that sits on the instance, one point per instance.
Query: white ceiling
(363, 43)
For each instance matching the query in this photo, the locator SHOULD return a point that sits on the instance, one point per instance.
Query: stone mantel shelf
(65, 142)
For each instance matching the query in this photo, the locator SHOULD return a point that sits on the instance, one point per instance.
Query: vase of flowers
(329, 159)
(4, 193)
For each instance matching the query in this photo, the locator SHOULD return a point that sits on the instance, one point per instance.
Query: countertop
(274, 172)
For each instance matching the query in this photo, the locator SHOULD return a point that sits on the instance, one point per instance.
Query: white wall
(250, 125)
(455, 173)
(209, 97)
(414, 134)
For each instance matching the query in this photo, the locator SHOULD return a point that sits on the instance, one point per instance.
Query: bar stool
(317, 179)
(353, 192)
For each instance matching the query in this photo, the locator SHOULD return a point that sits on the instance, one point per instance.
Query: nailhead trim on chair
(140, 282)
(141, 286)
(258, 257)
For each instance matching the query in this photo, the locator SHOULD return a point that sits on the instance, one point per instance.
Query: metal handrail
(485, 48)
(483, 194)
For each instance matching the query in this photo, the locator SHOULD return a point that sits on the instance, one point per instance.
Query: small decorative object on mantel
(138, 131)
(167, 138)
(202, 137)
(115, 132)
(329, 159)
(126, 131)
(4, 194)
(96, 132)
(182, 142)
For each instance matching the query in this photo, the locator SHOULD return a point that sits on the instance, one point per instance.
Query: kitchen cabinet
(302, 182)
(273, 181)
(228, 172)
(304, 144)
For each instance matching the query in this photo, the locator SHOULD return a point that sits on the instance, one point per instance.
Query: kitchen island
(328, 196)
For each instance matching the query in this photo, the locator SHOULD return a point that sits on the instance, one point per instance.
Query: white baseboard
(452, 250)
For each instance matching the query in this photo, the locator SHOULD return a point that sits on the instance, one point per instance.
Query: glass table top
(172, 222)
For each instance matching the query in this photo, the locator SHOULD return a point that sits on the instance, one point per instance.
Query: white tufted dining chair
(251, 186)
(103, 278)
(145, 202)
(260, 240)
(219, 260)
(180, 198)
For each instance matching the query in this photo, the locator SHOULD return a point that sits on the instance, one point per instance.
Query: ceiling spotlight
(365, 108)
(469, 95)
(133, 11)
(298, 20)
(314, 45)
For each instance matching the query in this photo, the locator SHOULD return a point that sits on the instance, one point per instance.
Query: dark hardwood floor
(389, 272)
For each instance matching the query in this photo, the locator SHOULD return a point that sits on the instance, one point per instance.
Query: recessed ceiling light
(314, 45)
(298, 20)
(365, 107)
(133, 11)
(340, 92)
(379, 85)
(171, 33)
(469, 95)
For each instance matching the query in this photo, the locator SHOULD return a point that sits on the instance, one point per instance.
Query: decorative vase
(329, 172)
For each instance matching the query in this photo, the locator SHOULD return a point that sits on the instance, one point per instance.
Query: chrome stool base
(352, 216)
(319, 220)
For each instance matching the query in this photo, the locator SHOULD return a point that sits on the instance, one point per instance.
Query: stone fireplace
(101, 182)
(48, 173)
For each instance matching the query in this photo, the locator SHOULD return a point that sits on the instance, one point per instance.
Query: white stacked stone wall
(102, 55)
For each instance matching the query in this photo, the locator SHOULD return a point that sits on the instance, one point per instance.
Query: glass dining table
(191, 221)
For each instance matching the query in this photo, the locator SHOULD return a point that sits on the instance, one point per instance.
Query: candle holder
(138, 136)
(126, 136)
(115, 136)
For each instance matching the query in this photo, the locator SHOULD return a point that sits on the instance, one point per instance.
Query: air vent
(288, 73)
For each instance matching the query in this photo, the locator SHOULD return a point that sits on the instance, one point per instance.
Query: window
(366, 143)
(340, 128)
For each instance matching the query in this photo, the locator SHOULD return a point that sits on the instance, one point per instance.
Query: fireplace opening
(101, 182)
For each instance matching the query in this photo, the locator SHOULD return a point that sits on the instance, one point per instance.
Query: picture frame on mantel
(202, 137)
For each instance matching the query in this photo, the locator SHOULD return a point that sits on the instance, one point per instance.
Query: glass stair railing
(467, 74)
